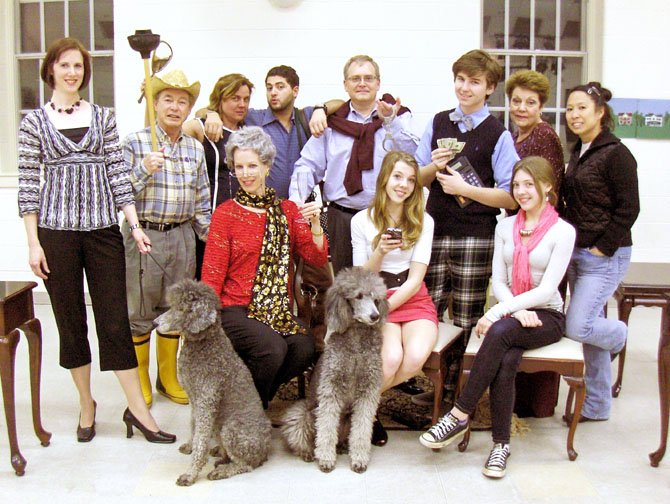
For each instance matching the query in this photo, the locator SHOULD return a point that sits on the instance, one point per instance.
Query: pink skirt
(419, 307)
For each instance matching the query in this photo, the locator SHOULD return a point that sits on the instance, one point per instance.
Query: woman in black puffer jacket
(600, 199)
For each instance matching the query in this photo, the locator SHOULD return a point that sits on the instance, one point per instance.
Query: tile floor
(612, 465)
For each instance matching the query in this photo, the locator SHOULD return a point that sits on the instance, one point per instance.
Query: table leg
(663, 384)
(624, 307)
(33, 331)
(8, 345)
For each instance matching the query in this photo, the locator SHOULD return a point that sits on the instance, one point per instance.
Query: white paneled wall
(635, 66)
(414, 42)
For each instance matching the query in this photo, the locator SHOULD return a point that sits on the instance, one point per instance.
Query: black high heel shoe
(379, 435)
(85, 434)
(151, 436)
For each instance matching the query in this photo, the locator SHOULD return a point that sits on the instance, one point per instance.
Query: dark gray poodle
(225, 405)
(344, 390)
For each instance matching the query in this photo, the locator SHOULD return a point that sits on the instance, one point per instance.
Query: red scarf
(362, 152)
(522, 280)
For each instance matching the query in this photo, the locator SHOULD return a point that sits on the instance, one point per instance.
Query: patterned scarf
(270, 301)
(521, 276)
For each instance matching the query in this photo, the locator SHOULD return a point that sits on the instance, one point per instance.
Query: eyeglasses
(245, 170)
(368, 79)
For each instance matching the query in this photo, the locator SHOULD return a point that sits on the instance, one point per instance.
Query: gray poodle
(344, 390)
(225, 405)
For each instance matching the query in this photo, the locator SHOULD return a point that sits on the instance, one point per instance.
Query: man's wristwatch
(321, 106)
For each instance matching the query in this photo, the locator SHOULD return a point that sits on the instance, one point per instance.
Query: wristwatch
(321, 106)
(133, 227)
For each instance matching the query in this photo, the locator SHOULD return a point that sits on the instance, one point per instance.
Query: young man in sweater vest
(460, 264)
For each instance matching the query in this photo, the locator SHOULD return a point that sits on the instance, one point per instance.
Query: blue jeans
(593, 279)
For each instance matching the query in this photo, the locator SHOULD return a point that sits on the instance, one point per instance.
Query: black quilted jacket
(599, 195)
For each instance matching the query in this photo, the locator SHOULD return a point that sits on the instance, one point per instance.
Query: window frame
(591, 44)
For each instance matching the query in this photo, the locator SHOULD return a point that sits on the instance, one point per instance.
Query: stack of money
(451, 143)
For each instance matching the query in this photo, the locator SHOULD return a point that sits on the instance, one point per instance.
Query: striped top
(179, 191)
(85, 183)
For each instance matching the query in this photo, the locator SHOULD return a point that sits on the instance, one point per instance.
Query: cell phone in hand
(395, 233)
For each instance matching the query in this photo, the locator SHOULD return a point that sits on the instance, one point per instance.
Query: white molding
(9, 97)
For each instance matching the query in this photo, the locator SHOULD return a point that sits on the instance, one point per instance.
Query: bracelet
(317, 234)
(321, 106)
(134, 227)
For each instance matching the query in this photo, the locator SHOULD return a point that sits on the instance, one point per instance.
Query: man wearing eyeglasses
(347, 153)
(172, 198)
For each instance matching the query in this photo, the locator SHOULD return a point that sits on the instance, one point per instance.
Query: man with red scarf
(349, 153)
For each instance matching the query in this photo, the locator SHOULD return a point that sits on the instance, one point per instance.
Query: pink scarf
(522, 280)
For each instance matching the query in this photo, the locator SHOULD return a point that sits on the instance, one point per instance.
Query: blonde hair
(411, 220)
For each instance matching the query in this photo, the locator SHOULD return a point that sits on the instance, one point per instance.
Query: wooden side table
(648, 284)
(663, 382)
(17, 312)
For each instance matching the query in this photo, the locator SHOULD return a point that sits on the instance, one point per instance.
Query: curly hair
(530, 80)
(251, 138)
(411, 221)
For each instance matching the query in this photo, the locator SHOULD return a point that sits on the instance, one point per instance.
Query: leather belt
(351, 211)
(394, 280)
(160, 227)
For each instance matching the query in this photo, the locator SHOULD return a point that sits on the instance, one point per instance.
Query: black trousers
(339, 239)
(100, 254)
(272, 358)
(496, 364)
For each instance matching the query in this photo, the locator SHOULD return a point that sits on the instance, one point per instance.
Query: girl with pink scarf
(531, 255)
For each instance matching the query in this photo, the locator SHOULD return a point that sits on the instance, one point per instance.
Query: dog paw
(359, 467)
(185, 480)
(326, 466)
(217, 474)
(186, 449)
(307, 457)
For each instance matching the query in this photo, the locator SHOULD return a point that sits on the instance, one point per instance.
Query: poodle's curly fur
(344, 390)
(225, 405)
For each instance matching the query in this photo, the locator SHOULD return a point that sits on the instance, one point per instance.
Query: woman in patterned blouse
(72, 227)
(528, 91)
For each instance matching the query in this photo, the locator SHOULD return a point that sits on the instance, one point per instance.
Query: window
(40, 22)
(548, 36)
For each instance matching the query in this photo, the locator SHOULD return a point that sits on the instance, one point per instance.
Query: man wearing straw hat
(172, 199)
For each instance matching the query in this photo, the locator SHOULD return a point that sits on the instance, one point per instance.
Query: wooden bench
(565, 357)
(435, 367)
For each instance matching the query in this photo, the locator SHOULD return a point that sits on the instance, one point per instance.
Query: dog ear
(338, 310)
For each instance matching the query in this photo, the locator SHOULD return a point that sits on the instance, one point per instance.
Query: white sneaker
(497, 463)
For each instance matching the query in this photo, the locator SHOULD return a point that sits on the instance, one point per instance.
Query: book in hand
(465, 169)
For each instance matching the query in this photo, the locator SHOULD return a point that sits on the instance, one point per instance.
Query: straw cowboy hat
(175, 79)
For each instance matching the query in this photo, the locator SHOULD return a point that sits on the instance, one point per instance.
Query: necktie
(467, 121)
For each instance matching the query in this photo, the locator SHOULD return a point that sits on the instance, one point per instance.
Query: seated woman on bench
(531, 255)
